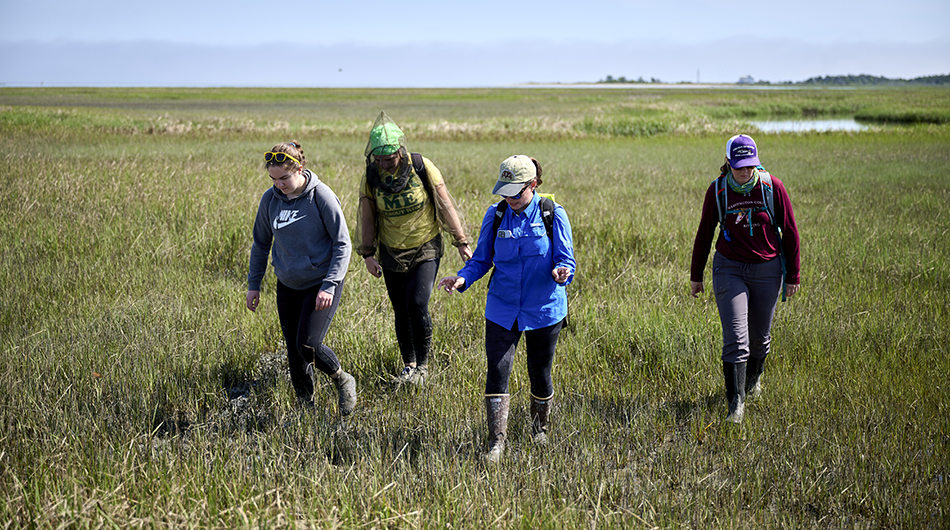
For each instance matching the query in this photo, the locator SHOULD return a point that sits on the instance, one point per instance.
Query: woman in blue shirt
(533, 264)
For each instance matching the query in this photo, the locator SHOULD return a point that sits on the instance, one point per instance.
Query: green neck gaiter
(742, 188)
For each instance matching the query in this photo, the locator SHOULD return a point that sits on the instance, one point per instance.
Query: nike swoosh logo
(278, 224)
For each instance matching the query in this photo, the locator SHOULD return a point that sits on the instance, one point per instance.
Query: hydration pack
(767, 198)
(765, 181)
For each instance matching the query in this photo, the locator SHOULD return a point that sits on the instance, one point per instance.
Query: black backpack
(547, 217)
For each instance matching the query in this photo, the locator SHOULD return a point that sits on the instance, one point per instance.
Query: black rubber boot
(734, 374)
(754, 369)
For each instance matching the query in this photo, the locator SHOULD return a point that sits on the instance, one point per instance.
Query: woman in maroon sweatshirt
(756, 251)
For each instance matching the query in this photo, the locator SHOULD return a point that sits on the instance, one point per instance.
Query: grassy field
(136, 390)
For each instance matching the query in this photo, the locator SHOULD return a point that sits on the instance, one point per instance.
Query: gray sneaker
(406, 375)
(346, 388)
(420, 375)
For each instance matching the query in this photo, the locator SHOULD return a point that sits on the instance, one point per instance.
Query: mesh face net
(401, 214)
(385, 138)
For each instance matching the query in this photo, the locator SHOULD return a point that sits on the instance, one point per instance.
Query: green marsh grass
(136, 390)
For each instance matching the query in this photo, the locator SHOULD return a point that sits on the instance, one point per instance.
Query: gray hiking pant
(746, 294)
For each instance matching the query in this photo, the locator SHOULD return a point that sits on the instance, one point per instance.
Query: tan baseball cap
(514, 173)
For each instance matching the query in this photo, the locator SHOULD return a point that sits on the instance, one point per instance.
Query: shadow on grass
(248, 399)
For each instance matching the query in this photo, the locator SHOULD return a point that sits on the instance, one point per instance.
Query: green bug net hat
(385, 138)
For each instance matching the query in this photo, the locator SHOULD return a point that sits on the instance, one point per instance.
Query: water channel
(781, 126)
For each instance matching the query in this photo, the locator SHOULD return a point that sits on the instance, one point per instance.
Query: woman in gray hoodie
(300, 222)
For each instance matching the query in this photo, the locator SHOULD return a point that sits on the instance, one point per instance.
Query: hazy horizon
(436, 44)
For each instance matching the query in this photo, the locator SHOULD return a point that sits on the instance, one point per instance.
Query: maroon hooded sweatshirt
(759, 246)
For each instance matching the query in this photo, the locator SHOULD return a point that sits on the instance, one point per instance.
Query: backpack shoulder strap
(547, 215)
(500, 210)
(767, 194)
(420, 167)
(720, 183)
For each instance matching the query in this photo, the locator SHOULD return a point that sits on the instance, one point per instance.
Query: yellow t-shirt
(406, 219)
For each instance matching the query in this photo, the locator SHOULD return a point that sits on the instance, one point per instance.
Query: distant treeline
(864, 79)
(622, 79)
(831, 80)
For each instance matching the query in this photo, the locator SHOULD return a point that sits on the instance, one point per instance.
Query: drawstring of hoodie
(743, 189)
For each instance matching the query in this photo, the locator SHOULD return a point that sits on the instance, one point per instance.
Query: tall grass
(135, 389)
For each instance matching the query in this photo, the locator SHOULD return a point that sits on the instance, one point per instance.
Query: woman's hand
(695, 288)
(373, 266)
(253, 298)
(451, 283)
(324, 300)
(791, 289)
(561, 274)
(465, 252)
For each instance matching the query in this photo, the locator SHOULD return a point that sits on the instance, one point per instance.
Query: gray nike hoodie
(311, 244)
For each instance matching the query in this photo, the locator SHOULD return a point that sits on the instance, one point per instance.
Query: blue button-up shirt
(523, 288)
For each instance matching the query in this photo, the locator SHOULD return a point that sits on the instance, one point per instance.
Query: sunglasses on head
(520, 193)
(280, 158)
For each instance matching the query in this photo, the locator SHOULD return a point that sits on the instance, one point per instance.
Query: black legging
(304, 330)
(409, 294)
(500, 344)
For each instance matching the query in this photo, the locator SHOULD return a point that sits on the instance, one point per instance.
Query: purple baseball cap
(741, 151)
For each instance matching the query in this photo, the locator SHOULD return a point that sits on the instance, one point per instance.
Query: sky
(446, 43)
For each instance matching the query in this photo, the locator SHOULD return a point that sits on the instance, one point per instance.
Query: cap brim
(384, 150)
(507, 189)
(745, 162)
